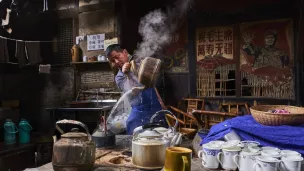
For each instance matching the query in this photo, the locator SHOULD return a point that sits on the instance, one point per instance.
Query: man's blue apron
(142, 112)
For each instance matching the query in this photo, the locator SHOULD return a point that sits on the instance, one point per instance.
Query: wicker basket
(260, 114)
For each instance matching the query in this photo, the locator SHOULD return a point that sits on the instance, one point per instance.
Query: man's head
(270, 38)
(117, 55)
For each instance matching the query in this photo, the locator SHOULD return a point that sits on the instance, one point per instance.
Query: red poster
(267, 50)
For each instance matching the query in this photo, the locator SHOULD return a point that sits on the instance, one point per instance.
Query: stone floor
(123, 142)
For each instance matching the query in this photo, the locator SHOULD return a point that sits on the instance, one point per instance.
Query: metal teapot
(149, 146)
(75, 150)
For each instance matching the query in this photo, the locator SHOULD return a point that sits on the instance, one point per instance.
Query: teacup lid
(212, 146)
(247, 152)
(292, 158)
(254, 149)
(234, 148)
(230, 143)
(150, 134)
(250, 143)
(270, 148)
(289, 152)
(267, 159)
(217, 142)
(161, 129)
(271, 153)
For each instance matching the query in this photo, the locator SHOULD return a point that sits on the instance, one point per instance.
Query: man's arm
(127, 81)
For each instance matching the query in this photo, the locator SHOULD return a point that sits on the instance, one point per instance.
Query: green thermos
(24, 131)
(10, 131)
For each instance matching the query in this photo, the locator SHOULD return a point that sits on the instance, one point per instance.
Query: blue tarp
(283, 137)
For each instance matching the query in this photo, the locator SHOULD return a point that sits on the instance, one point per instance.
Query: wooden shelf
(95, 62)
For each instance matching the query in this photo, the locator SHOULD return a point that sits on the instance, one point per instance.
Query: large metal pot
(149, 146)
(75, 151)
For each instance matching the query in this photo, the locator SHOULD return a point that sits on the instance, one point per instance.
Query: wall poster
(215, 61)
(266, 59)
(176, 52)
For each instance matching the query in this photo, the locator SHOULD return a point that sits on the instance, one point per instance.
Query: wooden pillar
(192, 53)
(299, 58)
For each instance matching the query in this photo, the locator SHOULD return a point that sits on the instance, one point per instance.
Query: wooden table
(124, 142)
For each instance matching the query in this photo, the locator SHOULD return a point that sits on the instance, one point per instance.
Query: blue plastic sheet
(283, 137)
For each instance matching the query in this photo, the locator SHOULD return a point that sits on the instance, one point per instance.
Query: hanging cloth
(45, 5)
(6, 21)
(32, 50)
(4, 56)
(20, 53)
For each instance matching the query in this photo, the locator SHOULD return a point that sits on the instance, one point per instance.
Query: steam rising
(157, 27)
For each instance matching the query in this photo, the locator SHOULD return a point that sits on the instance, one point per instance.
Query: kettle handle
(65, 121)
(144, 127)
(167, 111)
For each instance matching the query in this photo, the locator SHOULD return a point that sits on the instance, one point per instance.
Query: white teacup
(226, 158)
(291, 163)
(245, 160)
(271, 153)
(289, 153)
(264, 163)
(209, 155)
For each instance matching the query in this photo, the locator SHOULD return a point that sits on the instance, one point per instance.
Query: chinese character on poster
(214, 46)
(95, 42)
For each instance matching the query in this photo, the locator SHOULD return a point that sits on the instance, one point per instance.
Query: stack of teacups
(248, 156)
(220, 152)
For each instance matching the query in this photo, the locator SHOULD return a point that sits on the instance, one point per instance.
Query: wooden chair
(185, 120)
(234, 107)
(209, 118)
(192, 104)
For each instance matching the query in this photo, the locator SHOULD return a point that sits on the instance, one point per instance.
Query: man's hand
(126, 67)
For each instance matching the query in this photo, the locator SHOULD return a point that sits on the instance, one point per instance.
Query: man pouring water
(144, 103)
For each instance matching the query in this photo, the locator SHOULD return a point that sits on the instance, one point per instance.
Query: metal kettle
(75, 150)
(149, 146)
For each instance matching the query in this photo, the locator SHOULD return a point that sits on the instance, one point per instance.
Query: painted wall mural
(176, 52)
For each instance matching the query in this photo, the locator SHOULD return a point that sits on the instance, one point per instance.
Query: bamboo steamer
(148, 71)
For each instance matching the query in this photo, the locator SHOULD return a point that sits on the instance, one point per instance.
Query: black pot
(104, 140)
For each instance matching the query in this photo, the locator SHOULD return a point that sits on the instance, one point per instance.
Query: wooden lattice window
(219, 82)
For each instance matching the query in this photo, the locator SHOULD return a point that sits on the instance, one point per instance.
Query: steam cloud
(157, 27)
